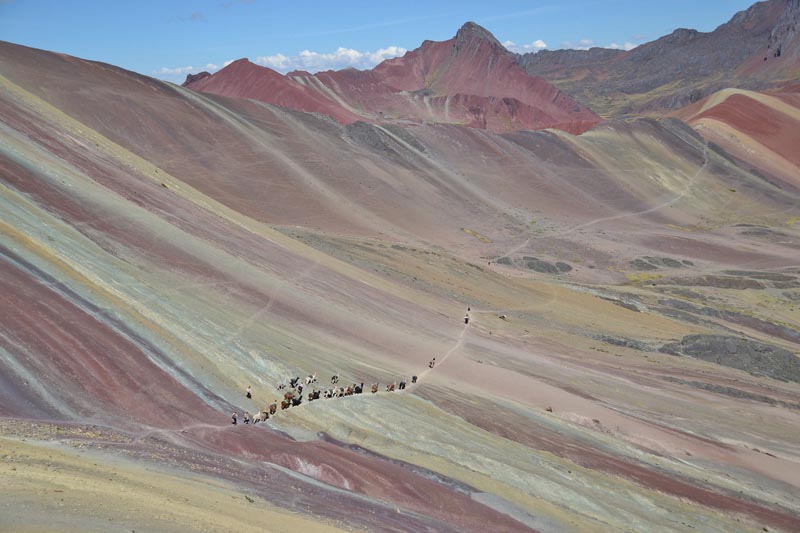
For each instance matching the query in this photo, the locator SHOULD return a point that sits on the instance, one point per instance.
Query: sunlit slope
(761, 129)
(161, 250)
(414, 184)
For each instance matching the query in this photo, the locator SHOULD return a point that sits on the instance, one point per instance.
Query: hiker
(374, 388)
(359, 389)
(249, 392)
(432, 363)
(281, 385)
(234, 418)
(247, 417)
(466, 318)
(413, 379)
(402, 385)
(264, 416)
(273, 408)
(334, 379)
(300, 388)
(293, 382)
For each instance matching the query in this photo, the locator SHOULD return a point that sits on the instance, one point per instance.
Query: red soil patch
(369, 475)
(773, 129)
(83, 362)
(243, 79)
(519, 429)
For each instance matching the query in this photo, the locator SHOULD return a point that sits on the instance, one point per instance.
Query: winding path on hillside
(652, 209)
(459, 343)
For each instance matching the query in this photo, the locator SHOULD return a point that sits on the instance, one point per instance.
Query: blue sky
(169, 38)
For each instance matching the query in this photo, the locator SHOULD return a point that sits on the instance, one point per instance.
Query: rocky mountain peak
(471, 32)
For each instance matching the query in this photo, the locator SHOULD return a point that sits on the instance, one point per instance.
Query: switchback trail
(657, 207)
(455, 347)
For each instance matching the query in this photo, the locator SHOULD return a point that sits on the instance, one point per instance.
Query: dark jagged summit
(471, 32)
(191, 78)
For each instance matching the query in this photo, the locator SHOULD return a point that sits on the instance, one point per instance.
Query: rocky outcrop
(786, 30)
(753, 357)
(192, 78)
(470, 32)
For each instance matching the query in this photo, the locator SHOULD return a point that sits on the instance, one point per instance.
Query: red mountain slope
(760, 128)
(243, 79)
(470, 79)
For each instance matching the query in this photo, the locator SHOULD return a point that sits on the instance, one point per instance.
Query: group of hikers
(293, 393)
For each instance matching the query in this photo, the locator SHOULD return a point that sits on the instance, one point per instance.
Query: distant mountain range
(468, 80)
(473, 80)
(758, 48)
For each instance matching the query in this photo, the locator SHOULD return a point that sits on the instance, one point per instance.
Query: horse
(374, 388)
(285, 404)
(297, 401)
(359, 389)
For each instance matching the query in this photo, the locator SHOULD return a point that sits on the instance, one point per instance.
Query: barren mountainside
(506, 313)
(468, 80)
(682, 67)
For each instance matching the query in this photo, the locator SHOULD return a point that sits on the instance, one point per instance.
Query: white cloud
(305, 60)
(177, 74)
(626, 46)
(535, 46)
(341, 58)
(585, 44)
